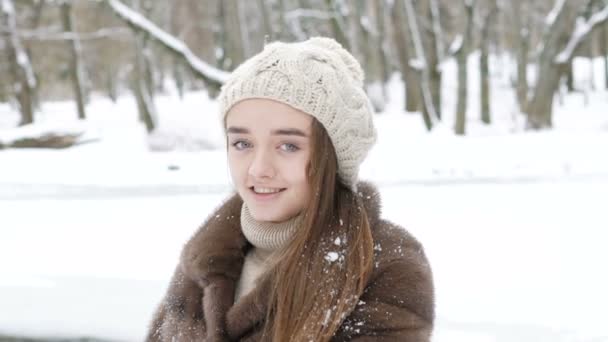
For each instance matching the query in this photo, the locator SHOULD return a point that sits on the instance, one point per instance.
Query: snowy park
(492, 122)
(513, 221)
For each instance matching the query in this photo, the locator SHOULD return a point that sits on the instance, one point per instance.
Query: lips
(265, 193)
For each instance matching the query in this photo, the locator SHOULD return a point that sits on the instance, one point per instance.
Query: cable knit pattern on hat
(320, 78)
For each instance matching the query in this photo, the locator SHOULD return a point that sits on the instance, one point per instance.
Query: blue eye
(289, 147)
(241, 145)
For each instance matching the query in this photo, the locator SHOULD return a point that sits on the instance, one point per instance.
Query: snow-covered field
(513, 222)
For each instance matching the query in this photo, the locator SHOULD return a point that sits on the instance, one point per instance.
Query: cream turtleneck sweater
(266, 238)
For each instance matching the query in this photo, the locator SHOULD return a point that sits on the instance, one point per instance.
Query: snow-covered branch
(557, 8)
(139, 22)
(582, 30)
(456, 45)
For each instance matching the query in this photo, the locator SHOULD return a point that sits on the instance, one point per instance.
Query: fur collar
(214, 256)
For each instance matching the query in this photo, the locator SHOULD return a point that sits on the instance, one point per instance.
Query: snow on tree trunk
(436, 52)
(429, 114)
(76, 73)
(402, 39)
(23, 79)
(462, 56)
(581, 32)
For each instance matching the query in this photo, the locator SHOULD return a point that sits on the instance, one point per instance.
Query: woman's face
(268, 152)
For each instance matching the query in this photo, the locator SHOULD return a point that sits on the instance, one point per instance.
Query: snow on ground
(513, 222)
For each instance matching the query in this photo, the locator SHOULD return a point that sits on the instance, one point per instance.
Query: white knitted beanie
(320, 78)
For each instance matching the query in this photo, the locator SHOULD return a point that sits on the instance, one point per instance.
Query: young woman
(300, 252)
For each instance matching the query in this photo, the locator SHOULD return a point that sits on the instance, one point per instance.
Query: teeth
(265, 190)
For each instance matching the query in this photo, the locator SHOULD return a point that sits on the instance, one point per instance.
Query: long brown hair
(318, 278)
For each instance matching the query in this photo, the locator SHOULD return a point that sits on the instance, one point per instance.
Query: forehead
(264, 114)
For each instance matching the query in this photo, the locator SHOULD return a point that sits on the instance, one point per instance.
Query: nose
(261, 166)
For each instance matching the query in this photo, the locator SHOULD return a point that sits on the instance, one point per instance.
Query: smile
(262, 190)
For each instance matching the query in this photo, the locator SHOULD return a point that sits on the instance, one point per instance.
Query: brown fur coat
(397, 305)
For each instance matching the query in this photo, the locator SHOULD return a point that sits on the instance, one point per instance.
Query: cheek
(297, 172)
(237, 167)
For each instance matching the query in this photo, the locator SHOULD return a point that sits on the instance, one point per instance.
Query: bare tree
(76, 72)
(560, 42)
(22, 74)
(462, 54)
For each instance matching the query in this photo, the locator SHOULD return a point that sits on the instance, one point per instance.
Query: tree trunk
(266, 23)
(234, 51)
(435, 48)
(337, 24)
(145, 104)
(373, 59)
(22, 74)
(76, 73)
(569, 71)
(523, 50)
(588, 13)
(604, 48)
(462, 56)
(355, 31)
(429, 115)
(143, 90)
(382, 32)
(402, 42)
(484, 66)
(111, 86)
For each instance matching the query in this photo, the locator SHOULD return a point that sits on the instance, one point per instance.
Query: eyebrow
(280, 131)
